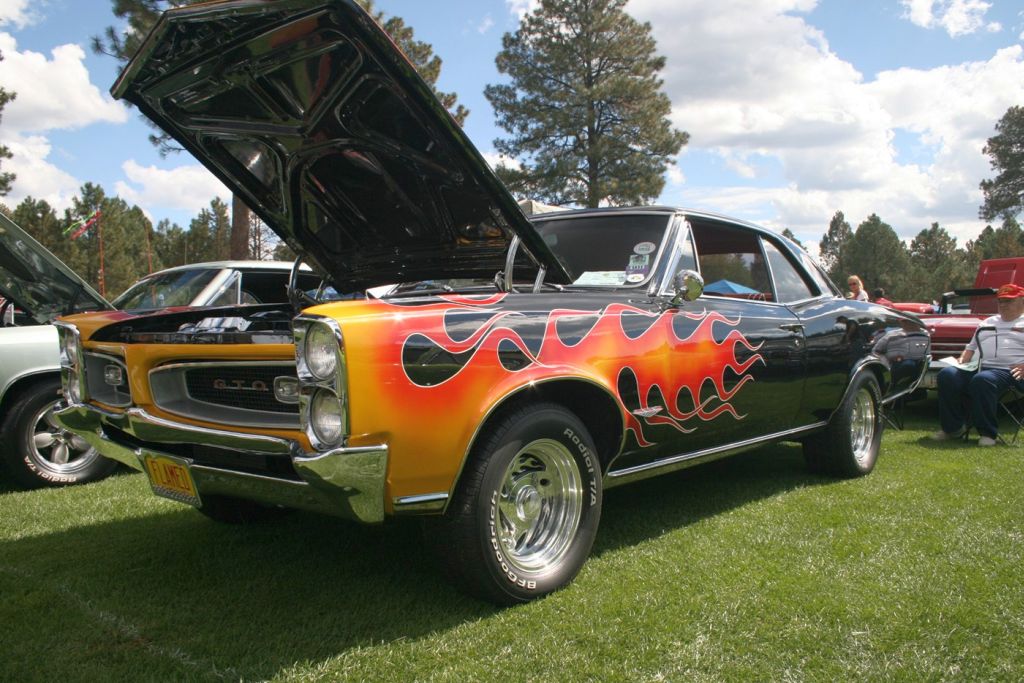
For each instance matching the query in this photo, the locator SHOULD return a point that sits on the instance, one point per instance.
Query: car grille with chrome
(253, 394)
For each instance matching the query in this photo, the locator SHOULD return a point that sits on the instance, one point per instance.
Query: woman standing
(857, 290)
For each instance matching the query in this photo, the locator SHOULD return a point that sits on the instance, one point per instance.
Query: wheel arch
(591, 402)
(19, 385)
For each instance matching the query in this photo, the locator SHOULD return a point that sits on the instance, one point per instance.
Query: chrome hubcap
(539, 506)
(53, 448)
(862, 426)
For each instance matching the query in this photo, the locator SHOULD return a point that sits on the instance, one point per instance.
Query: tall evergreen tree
(879, 257)
(142, 15)
(937, 265)
(584, 109)
(788, 234)
(6, 178)
(1004, 194)
(1006, 241)
(832, 246)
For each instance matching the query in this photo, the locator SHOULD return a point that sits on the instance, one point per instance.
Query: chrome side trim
(678, 462)
(428, 502)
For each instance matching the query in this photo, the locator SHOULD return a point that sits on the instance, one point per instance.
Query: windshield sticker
(635, 277)
(644, 248)
(638, 264)
(601, 278)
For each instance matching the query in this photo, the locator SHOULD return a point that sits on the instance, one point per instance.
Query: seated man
(1000, 343)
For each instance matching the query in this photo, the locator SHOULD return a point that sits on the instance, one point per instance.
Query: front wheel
(849, 445)
(38, 452)
(525, 514)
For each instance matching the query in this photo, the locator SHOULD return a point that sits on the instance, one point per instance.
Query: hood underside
(37, 281)
(310, 113)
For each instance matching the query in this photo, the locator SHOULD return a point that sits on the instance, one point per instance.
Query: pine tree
(877, 255)
(832, 246)
(584, 109)
(1004, 194)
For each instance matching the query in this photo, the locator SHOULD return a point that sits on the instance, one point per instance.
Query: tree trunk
(239, 229)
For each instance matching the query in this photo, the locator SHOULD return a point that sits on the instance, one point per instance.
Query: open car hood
(310, 113)
(37, 281)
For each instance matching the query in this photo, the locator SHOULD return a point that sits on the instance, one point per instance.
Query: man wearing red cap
(1000, 343)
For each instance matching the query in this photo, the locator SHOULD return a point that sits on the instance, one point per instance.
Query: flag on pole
(78, 229)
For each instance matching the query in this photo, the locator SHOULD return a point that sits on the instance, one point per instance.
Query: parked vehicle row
(37, 288)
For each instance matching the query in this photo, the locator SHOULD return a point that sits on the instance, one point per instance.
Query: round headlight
(321, 351)
(325, 417)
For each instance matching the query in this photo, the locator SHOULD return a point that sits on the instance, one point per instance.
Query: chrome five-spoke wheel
(539, 505)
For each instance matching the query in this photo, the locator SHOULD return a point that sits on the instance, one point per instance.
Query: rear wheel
(38, 452)
(849, 445)
(525, 515)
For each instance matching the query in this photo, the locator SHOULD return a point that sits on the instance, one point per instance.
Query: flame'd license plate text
(171, 478)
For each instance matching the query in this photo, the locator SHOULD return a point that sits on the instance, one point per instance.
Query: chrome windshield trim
(619, 477)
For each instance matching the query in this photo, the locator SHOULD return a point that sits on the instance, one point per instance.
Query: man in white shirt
(999, 344)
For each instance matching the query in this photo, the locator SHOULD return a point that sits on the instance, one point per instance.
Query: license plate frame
(171, 477)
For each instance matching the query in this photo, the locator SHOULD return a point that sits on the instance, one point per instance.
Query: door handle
(793, 327)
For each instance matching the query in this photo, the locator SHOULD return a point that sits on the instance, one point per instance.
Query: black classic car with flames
(518, 370)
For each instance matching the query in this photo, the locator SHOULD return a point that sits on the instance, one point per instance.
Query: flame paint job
(425, 373)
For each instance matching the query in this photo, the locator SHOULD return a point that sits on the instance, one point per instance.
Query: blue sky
(796, 108)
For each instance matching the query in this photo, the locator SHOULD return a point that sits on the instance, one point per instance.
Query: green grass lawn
(743, 569)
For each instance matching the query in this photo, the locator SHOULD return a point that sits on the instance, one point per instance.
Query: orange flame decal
(665, 368)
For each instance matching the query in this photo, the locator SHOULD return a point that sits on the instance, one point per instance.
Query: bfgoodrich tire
(849, 445)
(527, 508)
(37, 452)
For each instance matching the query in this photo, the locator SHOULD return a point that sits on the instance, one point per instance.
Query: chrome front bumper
(346, 482)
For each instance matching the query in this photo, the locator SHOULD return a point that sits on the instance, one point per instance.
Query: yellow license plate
(170, 478)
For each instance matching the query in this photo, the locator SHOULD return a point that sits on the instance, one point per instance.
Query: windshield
(606, 251)
(178, 288)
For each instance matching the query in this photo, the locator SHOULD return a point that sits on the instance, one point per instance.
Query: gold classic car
(519, 367)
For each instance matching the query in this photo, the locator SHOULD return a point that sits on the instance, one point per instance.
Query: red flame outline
(657, 357)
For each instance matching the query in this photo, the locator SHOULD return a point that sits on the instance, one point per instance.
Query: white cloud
(485, 25)
(17, 13)
(520, 8)
(37, 177)
(752, 81)
(956, 17)
(188, 188)
(52, 93)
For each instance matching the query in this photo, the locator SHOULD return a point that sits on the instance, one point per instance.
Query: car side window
(731, 261)
(789, 283)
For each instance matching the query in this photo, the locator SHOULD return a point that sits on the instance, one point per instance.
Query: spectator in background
(878, 297)
(999, 343)
(857, 290)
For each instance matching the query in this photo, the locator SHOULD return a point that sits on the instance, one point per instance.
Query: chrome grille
(239, 393)
(246, 387)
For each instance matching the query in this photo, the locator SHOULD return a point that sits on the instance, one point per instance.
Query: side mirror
(687, 285)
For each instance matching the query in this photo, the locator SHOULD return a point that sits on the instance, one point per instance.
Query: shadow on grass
(260, 598)
(637, 512)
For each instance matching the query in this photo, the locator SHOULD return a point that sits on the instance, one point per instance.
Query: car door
(737, 358)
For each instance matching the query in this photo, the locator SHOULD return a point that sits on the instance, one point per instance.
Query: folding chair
(1011, 402)
(892, 413)
(1012, 405)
